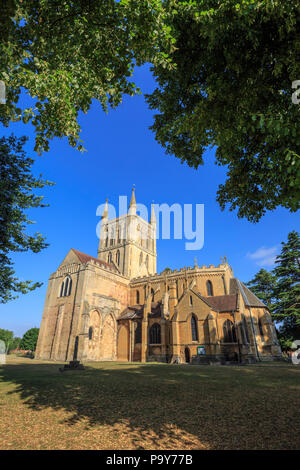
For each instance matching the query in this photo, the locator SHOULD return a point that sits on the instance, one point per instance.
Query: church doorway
(187, 355)
(123, 344)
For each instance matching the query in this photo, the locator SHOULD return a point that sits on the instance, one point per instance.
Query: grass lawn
(148, 406)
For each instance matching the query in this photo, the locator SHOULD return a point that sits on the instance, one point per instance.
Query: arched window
(245, 330)
(260, 327)
(152, 295)
(209, 288)
(66, 287)
(194, 328)
(229, 335)
(147, 261)
(90, 332)
(138, 333)
(62, 289)
(118, 257)
(141, 258)
(224, 285)
(154, 335)
(137, 297)
(70, 286)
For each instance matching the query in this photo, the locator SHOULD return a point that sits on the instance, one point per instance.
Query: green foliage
(287, 289)
(66, 54)
(285, 343)
(232, 89)
(7, 337)
(16, 196)
(224, 72)
(15, 343)
(29, 339)
(166, 270)
(280, 289)
(262, 285)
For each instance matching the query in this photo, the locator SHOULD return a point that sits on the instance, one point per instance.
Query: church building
(116, 307)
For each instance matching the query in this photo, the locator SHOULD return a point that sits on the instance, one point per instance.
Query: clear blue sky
(121, 152)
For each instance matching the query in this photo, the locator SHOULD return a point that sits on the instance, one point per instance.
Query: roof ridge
(90, 257)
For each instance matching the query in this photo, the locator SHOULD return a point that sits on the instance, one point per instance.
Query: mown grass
(148, 406)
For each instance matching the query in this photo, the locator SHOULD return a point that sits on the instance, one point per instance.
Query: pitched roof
(222, 303)
(129, 313)
(84, 258)
(250, 299)
(136, 311)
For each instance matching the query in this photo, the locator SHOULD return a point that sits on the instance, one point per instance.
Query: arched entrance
(94, 336)
(187, 355)
(123, 344)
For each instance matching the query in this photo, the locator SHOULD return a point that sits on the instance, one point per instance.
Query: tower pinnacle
(105, 211)
(152, 218)
(132, 205)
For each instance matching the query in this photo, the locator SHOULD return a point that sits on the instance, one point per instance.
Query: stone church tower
(129, 242)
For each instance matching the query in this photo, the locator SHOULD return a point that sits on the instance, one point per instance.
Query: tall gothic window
(194, 328)
(209, 288)
(191, 301)
(224, 285)
(260, 327)
(147, 261)
(155, 334)
(141, 258)
(90, 332)
(66, 287)
(229, 335)
(245, 330)
(137, 297)
(152, 295)
(118, 257)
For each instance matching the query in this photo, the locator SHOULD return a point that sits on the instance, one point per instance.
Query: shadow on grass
(177, 406)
